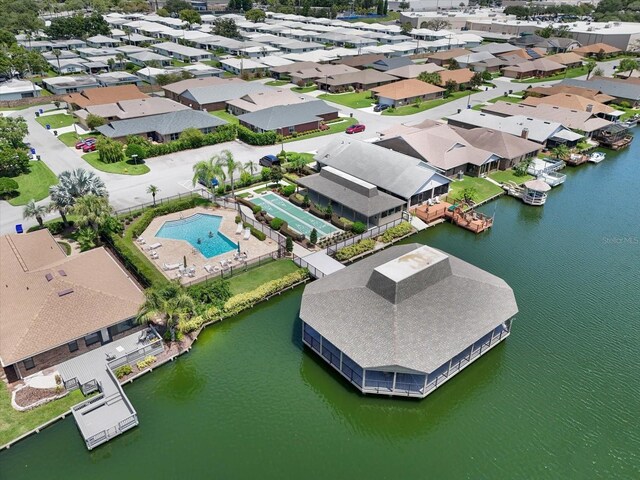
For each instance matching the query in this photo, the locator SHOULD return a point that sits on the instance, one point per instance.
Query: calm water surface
(559, 399)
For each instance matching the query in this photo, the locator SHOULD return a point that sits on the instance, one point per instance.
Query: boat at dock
(597, 157)
(533, 192)
(553, 179)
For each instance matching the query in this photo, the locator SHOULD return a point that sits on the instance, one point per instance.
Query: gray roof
(222, 93)
(164, 124)
(495, 48)
(385, 64)
(615, 88)
(363, 197)
(394, 172)
(148, 57)
(287, 115)
(408, 307)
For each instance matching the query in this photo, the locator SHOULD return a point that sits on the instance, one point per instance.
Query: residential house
(558, 44)
(102, 41)
(55, 306)
(414, 70)
(461, 77)
(406, 92)
(394, 173)
(252, 102)
(174, 90)
(443, 58)
(385, 64)
(360, 61)
(64, 85)
(404, 321)
(546, 133)
(125, 109)
(163, 127)
(360, 80)
(181, 52)
(142, 59)
(589, 93)
(576, 102)
(621, 89)
(308, 75)
(101, 96)
(287, 120)
(243, 66)
(495, 48)
(491, 65)
(65, 66)
(112, 79)
(568, 59)
(281, 72)
(15, 89)
(596, 50)
(211, 99)
(540, 67)
(470, 59)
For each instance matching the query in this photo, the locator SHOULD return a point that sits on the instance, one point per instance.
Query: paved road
(173, 173)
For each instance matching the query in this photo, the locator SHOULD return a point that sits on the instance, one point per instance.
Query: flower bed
(398, 231)
(358, 248)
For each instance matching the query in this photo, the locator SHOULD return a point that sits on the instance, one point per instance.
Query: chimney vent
(589, 108)
(525, 133)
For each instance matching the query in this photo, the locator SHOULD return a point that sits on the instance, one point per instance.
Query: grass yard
(252, 279)
(504, 176)
(569, 73)
(224, 115)
(334, 127)
(58, 120)
(178, 63)
(351, 100)
(628, 112)
(484, 188)
(14, 423)
(120, 168)
(506, 98)
(412, 109)
(35, 184)
(277, 83)
(304, 89)
(70, 138)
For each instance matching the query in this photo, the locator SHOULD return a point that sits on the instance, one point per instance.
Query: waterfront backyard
(554, 389)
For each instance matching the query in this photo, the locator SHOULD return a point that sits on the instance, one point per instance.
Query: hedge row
(351, 251)
(145, 219)
(341, 222)
(253, 138)
(398, 231)
(255, 232)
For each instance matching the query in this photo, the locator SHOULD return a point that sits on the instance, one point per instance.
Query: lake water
(560, 399)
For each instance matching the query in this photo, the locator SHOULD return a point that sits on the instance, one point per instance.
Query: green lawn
(35, 184)
(58, 120)
(14, 423)
(411, 109)
(351, 100)
(277, 83)
(252, 279)
(628, 112)
(506, 98)
(484, 188)
(178, 63)
(224, 115)
(334, 127)
(504, 176)
(121, 168)
(70, 138)
(570, 73)
(304, 89)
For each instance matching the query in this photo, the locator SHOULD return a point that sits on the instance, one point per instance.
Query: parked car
(203, 182)
(89, 146)
(82, 143)
(380, 107)
(269, 161)
(357, 128)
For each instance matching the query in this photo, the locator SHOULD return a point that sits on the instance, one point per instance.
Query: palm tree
(251, 167)
(591, 64)
(120, 57)
(56, 53)
(73, 184)
(561, 151)
(92, 211)
(170, 303)
(206, 171)
(226, 160)
(31, 210)
(152, 189)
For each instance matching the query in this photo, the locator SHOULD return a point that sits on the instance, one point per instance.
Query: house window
(122, 327)
(92, 338)
(73, 346)
(29, 363)
(292, 129)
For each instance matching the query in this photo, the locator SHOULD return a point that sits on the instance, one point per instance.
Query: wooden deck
(471, 220)
(431, 213)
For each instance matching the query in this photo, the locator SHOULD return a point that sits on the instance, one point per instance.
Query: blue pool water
(196, 227)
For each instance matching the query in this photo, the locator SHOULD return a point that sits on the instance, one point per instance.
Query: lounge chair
(210, 269)
(154, 255)
(437, 199)
(171, 266)
(239, 229)
(153, 246)
(247, 234)
(141, 240)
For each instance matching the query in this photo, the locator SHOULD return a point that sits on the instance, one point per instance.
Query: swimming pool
(295, 217)
(201, 231)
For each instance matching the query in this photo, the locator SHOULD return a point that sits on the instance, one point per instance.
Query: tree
(73, 184)
(226, 27)
(169, 303)
(13, 161)
(153, 190)
(436, 24)
(598, 72)
(591, 65)
(7, 38)
(135, 151)
(468, 195)
(406, 28)
(192, 137)
(251, 167)
(109, 150)
(450, 86)
(385, 8)
(78, 26)
(167, 78)
(476, 80)
(276, 174)
(453, 64)
(163, 12)
(255, 15)
(190, 16)
(93, 212)
(430, 77)
(13, 130)
(226, 160)
(95, 121)
(403, 6)
(561, 151)
(31, 210)
(206, 172)
(176, 6)
(628, 65)
(380, 8)
(8, 187)
(313, 237)
(56, 53)
(289, 244)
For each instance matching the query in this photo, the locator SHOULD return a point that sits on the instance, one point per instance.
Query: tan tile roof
(567, 58)
(462, 75)
(292, 67)
(320, 71)
(449, 54)
(182, 85)
(540, 65)
(596, 48)
(360, 60)
(102, 95)
(406, 89)
(133, 108)
(33, 316)
(412, 71)
(567, 100)
(592, 94)
(502, 144)
(364, 77)
(252, 102)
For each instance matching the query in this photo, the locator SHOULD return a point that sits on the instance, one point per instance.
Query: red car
(87, 141)
(89, 147)
(357, 128)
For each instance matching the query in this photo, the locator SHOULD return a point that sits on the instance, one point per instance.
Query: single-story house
(65, 66)
(406, 92)
(143, 59)
(351, 197)
(101, 41)
(414, 70)
(558, 44)
(174, 90)
(240, 66)
(163, 127)
(112, 79)
(461, 77)
(589, 93)
(495, 48)
(394, 173)
(596, 49)
(282, 71)
(444, 57)
(472, 58)
(286, 120)
(181, 52)
(385, 64)
(101, 96)
(569, 59)
(15, 89)
(619, 88)
(360, 61)
(360, 80)
(126, 109)
(55, 307)
(576, 102)
(540, 67)
(252, 102)
(64, 85)
(307, 75)
(211, 99)
(491, 65)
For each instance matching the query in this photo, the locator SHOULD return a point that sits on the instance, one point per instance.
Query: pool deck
(174, 251)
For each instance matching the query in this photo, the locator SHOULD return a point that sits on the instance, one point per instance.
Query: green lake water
(560, 399)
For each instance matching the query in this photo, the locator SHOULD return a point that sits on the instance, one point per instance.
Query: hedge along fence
(253, 138)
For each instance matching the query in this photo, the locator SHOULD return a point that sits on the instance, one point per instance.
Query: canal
(558, 399)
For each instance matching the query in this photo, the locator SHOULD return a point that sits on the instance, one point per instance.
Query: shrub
(210, 293)
(171, 207)
(289, 245)
(253, 138)
(256, 233)
(351, 251)
(288, 190)
(8, 187)
(109, 151)
(147, 362)
(136, 149)
(265, 174)
(313, 237)
(276, 223)
(57, 227)
(398, 231)
(256, 209)
(123, 371)
(318, 211)
(341, 222)
(358, 227)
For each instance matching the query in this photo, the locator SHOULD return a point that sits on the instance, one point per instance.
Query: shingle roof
(287, 115)
(222, 92)
(410, 306)
(596, 48)
(501, 143)
(101, 96)
(164, 124)
(449, 54)
(181, 86)
(34, 317)
(618, 88)
(385, 64)
(363, 77)
(462, 75)
(567, 58)
(567, 100)
(495, 48)
(590, 93)
(405, 89)
(413, 70)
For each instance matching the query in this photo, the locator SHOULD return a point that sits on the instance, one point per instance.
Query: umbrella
(238, 247)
